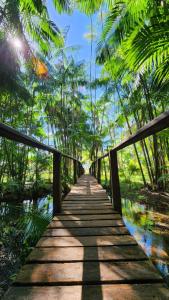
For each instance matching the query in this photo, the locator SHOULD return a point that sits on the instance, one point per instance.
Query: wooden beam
(75, 171)
(115, 183)
(158, 124)
(14, 135)
(57, 190)
(99, 170)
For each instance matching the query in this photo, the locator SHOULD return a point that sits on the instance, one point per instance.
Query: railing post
(99, 170)
(78, 169)
(94, 169)
(75, 171)
(57, 190)
(81, 170)
(115, 183)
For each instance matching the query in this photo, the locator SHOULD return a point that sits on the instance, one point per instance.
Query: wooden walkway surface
(87, 253)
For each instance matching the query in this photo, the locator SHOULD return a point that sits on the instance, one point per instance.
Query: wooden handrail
(14, 135)
(156, 125)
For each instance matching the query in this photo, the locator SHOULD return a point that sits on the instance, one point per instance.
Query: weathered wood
(85, 223)
(75, 197)
(94, 169)
(71, 254)
(76, 211)
(115, 184)
(87, 217)
(89, 206)
(75, 171)
(86, 231)
(152, 127)
(17, 136)
(99, 170)
(155, 291)
(107, 272)
(86, 241)
(94, 196)
(57, 192)
(85, 202)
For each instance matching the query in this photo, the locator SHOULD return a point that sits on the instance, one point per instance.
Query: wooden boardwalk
(87, 253)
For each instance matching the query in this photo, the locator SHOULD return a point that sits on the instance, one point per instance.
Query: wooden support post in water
(57, 190)
(75, 171)
(99, 170)
(115, 183)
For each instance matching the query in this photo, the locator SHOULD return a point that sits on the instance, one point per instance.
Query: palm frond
(63, 5)
(89, 6)
(150, 46)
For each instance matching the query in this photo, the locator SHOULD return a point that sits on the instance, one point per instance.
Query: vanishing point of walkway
(87, 253)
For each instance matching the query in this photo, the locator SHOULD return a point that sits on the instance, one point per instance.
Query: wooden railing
(154, 126)
(14, 135)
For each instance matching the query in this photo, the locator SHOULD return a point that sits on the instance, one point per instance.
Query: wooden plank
(83, 202)
(90, 272)
(86, 197)
(70, 254)
(87, 217)
(87, 200)
(86, 241)
(86, 231)
(94, 194)
(155, 291)
(84, 223)
(98, 207)
(86, 211)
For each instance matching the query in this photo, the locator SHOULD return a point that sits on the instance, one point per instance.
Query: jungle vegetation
(83, 108)
(47, 94)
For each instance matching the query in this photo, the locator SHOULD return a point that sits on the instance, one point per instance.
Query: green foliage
(20, 228)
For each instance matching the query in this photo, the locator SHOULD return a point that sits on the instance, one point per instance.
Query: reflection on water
(29, 218)
(142, 222)
(21, 226)
(13, 210)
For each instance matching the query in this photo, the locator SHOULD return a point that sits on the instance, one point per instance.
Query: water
(143, 222)
(29, 217)
(21, 226)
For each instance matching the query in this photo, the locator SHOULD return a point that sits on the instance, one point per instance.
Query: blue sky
(78, 25)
